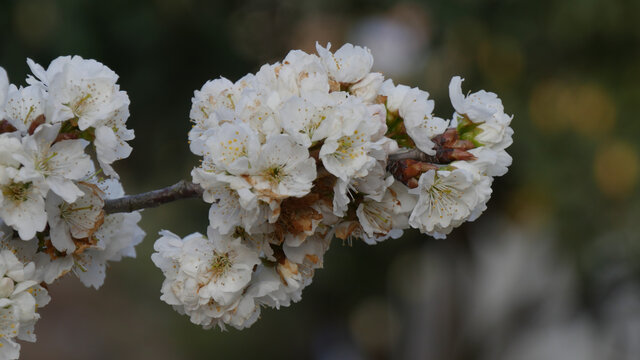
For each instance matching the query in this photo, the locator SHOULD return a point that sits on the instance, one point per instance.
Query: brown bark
(180, 190)
(405, 166)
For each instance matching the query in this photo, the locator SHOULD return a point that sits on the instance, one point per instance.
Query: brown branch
(405, 166)
(180, 190)
(413, 154)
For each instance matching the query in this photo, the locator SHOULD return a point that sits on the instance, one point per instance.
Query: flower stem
(186, 190)
(180, 190)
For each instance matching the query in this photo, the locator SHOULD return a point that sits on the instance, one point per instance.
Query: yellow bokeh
(616, 169)
(530, 205)
(500, 60)
(593, 112)
(587, 109)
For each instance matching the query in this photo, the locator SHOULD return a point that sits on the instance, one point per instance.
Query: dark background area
(568, 71)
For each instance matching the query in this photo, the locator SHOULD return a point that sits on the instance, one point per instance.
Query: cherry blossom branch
(183, 189)
(413, 154)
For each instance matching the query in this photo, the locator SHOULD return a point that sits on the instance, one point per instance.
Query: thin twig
(186, 189)
(180, 190)
(413, 154)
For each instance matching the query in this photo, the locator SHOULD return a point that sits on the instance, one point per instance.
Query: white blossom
(116, 238)
(421, 126)
(4, 90)
(414, 108)
(211, 105)
(47, 269)
(85, 97)
(291, 278)
(312, 250)
(283, 169)
(233, 147)
(488, 162)
(368, 88)
(485, 110)
(78, 220)
(304, 121)
(24, 105)
(235, 207)
(46, 172)
(388, 217)
(373, 185)
(349, 64)
(345, 154)
(82, 89)
(111, 136)
(446, 199)
(203, 273)
(20, 298)
(300, 152)
(22, 204)
(9, 146)
(56, 164)
(85, 238)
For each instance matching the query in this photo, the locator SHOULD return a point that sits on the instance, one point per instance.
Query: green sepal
(67, 127)
(89, 134)
(397, 131)
(468, 130)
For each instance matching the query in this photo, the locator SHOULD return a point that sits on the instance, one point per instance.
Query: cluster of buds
(56, 135)
(314, 147)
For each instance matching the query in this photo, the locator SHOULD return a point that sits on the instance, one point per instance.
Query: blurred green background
(568, 70)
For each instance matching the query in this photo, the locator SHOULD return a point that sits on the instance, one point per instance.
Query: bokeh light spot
(501, 60)
(586, 109)
(530, 205)
(616, 169)
(374, 326)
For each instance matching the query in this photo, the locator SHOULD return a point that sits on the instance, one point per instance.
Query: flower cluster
(52, 220)
(20, 297)
(314, 147)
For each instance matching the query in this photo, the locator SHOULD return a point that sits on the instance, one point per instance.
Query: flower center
(26, 118)
(274, 174)
(344, 145)
(444, 199)
(77, 108)
(42, 165)
(67, 210)
(220, 264)
(18, 192)
(313, 125)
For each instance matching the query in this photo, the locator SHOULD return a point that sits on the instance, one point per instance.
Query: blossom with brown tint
(69, 223)
(204, 273)
(316, 147)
